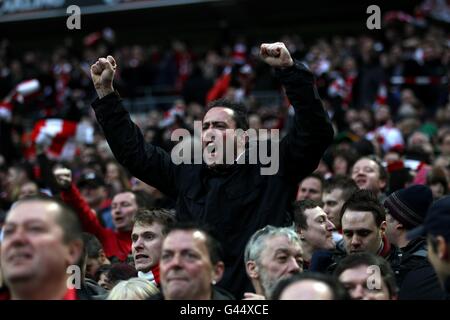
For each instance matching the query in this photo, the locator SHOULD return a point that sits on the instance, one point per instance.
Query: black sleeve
(47, 177)
(146, 162)
(312, 132)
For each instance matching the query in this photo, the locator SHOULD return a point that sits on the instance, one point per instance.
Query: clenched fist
(63, 177)
(276, 55)
(102, 73)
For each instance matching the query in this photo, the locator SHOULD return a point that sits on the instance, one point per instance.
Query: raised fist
(276, 55)
(102, 73)
(63, 177)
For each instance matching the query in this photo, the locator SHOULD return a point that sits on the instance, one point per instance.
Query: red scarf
(385, 250)
(155, 272)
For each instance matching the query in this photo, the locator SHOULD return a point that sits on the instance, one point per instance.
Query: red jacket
(71, 294)
(115, 243)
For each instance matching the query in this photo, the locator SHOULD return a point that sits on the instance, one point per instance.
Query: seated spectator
(270, 255)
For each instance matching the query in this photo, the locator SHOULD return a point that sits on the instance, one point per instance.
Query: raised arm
(72, 197)
(147, 162)
(311, 133)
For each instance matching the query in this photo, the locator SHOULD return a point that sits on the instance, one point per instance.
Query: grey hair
(258, 240)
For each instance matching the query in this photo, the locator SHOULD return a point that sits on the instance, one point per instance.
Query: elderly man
(235, 197)
(270, 255)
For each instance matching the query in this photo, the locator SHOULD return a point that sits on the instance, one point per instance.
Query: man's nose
(138, 243)
(18, 237)
(355, 241)
(293, 266)
(330, 225)
(358, 293)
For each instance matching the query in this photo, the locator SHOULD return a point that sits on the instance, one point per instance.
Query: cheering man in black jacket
(235, 199)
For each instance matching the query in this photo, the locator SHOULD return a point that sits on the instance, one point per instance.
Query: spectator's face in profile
(319, 232)
(360, 232)
(307, 290)
(280, 258)
(393, 230)
(185, 266)
(123, 208)
(333, 202)
(362, 283)
(310, 188)
(146, 245)
(33, 251)
(366, 174)
(216, 132)
(104, 282)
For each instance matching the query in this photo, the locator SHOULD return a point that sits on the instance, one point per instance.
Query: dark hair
(103, 269)
(213, 246)
(344, 183)
(315, 176)
(382, 172)
(162, 216)
(369, 259)
(67, 219)
(437, 175)
(121, 271)
(348, 155)
(365, 200)
(143, 199)
(92, 245)
(337, 289)
(299, 211)
(240, 115)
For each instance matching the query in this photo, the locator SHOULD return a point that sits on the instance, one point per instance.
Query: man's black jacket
(240, 201)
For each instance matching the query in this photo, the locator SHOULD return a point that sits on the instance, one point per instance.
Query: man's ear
(218, 270)
(252, 269)
(300, 232)
(382, 184)
(442, 248)
(75, 250)
(101, 256)
(399, 226)
(383, 227)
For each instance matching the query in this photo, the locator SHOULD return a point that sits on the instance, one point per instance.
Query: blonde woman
(133, 289)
